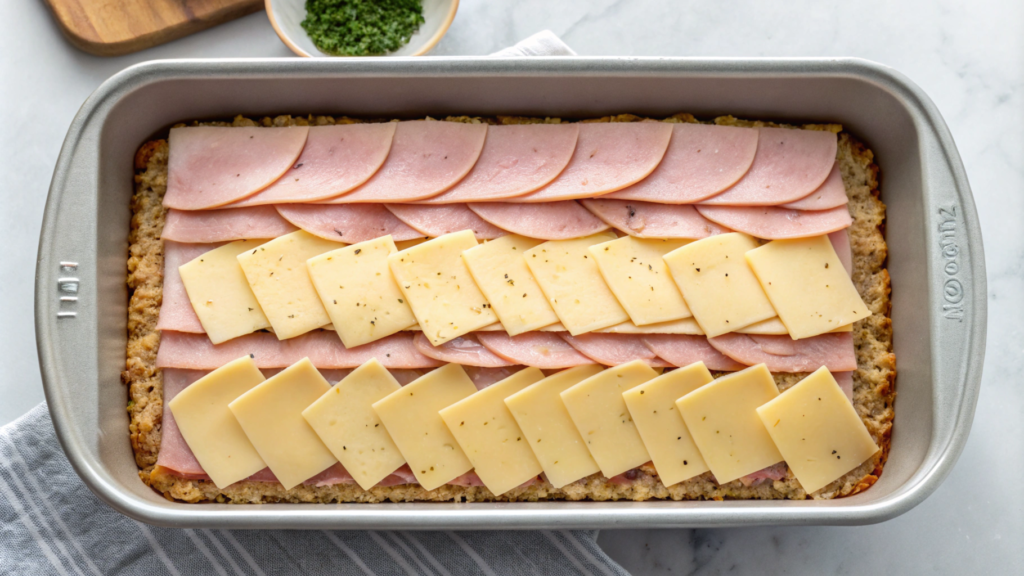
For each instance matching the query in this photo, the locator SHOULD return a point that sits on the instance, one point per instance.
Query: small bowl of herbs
(324, 28)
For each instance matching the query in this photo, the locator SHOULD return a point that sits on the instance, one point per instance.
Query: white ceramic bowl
(286, 17)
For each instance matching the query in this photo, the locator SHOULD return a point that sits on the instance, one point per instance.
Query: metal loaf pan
(935, 254)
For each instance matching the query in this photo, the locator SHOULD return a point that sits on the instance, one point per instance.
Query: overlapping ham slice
(683, 350)
(774, 223)
(347, 222)
(545, 350)
(783, 354)
(175, 454)
(648, 220)
(426, 159)
(176, 311)
(613, 349)
(830, 194)
(845, 381)
(465, 350)
(547, 220)
(439, 220)
(224, 225)
(609, 156)
(483, 377)
(515, 160)
(211, 166)
(840, 240)
(701, 161)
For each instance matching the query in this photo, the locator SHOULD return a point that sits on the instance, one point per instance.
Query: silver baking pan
(935, 255)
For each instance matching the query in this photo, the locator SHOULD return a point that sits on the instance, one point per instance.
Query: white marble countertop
(969, 57)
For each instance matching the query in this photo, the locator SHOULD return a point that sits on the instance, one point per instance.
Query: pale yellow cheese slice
(722, 418)
(817, 430)
(775, 327)
(345, 421)
(603, 420)
(211, 430)
(500, 271)
(807, 285)
(271, 415)
(573, 285)
(359, 293)
(437, 284)
(411, 418)
(636, 273)
(547, 426)
(277, 274)
(653, 407)
(684, 326)
(490, 436)
(220, 294)
(718, 285)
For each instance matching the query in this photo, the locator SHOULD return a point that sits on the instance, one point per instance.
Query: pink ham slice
(830, 194)
(546, 221)
(613, 349)
(465, 350)
(609, 156)
(783, 354)
(841, 244)
(789, 165)
(426, 159)
(701, 161)
(683, 350)
(347, 222)
(335, 160)
(774, 223)
(516, 160)
(773, 472)
(647, 220)
(845, 381)
(484, 377)
(544, 350)
(439, 220)
(212, 166)
(175, 455)
(176, 311)
(225, 225)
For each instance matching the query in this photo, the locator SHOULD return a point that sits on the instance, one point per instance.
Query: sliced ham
(426, 159)
(613, 349)
(547, 221)
(845, 381)
(841, 244)
(783, 354)
(683, 350)
(211, 166)
(176, 311)
(609, 156)
(544, 350)
(484, 377)
(789, 165)
(648, 220)
(444, 219)
(773, 472)
(516, 160)
(701, 161)
(175, 455)
(347, 222)
(830, 194)
(465, 350)
(335, 160)
(225, 225)
(468, 479)
(774, 223)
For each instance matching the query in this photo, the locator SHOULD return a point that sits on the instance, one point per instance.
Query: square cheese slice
(547, 426)
(501, 273)
(359, 293)
(490, 437)
(722, 418)
(277, 274)
(211, 430)
(437, 284)
(653, 407)
(636, 273)
(411, 417)
(808, 285)
(817, 430)
(718, 284)
(271, 415)
(220, 294)
(603, 420)
(345, 421)
(573, 285)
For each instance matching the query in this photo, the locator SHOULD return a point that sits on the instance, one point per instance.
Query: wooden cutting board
(114, 27)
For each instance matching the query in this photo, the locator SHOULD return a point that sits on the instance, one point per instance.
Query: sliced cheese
(653, 407)
(807, 285)
(817, 430)
(220, 294)
(359, 293)
(573, 285)
(345, 421)
(277, 274)
(437, 284)
(411, 418)
(547, 426)
(490, 437)
(684, 326)
(718, 285)
(271, 415)
(774, 326)
(603, 420)
(211, 430)
(722, 418)
(501, 273)
(636, 273)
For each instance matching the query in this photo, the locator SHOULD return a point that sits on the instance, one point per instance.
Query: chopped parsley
(362, 27)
